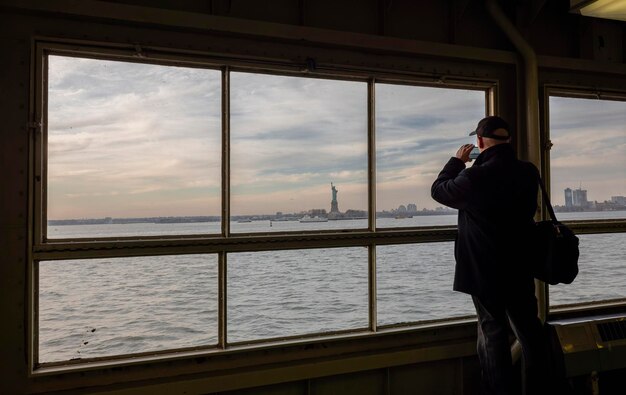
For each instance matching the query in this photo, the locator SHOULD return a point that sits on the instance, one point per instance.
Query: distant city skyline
(577, 199)
(332, 213)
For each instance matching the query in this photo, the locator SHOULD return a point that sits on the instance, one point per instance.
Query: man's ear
(481, 142)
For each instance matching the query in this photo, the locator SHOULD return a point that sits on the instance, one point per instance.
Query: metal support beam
(104, 10)
(534, 9)
(532, 124)
(457, 10)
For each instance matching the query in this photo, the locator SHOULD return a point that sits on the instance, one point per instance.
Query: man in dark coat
(497, 201)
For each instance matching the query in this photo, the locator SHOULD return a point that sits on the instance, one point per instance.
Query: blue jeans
(494, 349)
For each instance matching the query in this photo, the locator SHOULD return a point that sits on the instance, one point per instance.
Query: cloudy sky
(589, 138)
(132, 140)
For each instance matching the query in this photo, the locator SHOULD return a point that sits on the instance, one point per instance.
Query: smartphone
(474, 153)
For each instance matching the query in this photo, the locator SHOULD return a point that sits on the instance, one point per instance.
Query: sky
(589, 147)
(132, 140)
(136, 140)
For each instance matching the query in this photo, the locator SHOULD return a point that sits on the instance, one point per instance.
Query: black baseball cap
(487, 126)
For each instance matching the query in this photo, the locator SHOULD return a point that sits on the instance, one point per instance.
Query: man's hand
(464, 151)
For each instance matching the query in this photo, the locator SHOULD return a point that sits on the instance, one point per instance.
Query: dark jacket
(497, 200)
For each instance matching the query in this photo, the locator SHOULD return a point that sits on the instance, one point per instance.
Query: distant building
(412, 208)
(621, 200)
(350, 213)
(320, 212)
(579, 198)
(568, 198)
(402, 209)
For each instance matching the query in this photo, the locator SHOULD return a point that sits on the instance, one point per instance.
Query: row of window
(142, 143)
(135, 150)
(107, 307)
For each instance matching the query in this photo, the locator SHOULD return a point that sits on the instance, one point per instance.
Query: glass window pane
(285, 293)
(418, 129)
(104, 307)
(291, 138)
(588, 159)
(601, 271)
(414, 283)
(132, 143)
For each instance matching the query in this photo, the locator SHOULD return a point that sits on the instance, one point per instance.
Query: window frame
(43, 249)
(580, 227)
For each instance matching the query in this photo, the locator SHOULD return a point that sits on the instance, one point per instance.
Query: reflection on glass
(414, 283)
(132, 143)
(298, 153)
(298, 292)
(418, 129)
(588, 159)
(105, 307)
(601, 271)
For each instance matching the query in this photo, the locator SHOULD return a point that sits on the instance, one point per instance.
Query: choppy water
(104, 307)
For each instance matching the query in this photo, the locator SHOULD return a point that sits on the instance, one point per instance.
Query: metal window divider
(37, 132)
(223, 255)
(371, 164)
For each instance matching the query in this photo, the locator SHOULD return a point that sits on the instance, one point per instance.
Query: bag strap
(546, 199)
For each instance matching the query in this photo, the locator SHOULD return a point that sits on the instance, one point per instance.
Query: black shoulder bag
(556, 247)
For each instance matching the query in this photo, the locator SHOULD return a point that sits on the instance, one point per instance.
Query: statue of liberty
(334, 206)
